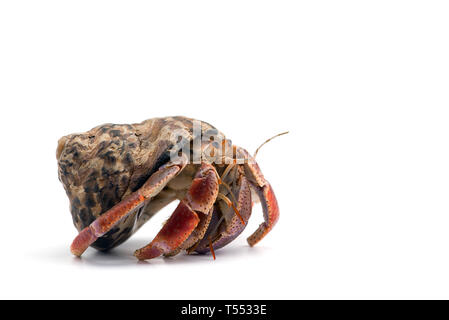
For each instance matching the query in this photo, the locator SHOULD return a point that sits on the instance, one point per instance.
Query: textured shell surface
(100, 167)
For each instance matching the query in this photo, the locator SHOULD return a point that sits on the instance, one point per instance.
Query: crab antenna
(280, 134)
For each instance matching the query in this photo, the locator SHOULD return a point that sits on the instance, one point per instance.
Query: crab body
(118, 176)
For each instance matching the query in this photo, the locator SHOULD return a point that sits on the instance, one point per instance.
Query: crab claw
(233, 225)
(270, 211)
(266, 196)
(174, 232)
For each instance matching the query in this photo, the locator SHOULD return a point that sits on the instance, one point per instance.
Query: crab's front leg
(266, 195)
(198, 202)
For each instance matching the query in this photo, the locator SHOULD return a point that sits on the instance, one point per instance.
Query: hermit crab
(118, 176)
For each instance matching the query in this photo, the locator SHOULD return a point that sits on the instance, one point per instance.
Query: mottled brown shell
(101, 166)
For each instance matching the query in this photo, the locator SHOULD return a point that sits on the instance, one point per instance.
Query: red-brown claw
(270, 211)
(234, 226)
(84, 239)
(266, 195)
(174, 232)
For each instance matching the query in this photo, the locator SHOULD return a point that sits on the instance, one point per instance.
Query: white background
(362, 179)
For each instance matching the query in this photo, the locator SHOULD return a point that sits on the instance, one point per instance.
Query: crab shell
(106, 166)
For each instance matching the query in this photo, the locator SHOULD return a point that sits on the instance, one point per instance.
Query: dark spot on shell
(90, 202)
(109, 158)
(64, 170)
(103, 145)
(128, 161)
(107, 199)
(124, 180)
(84, 216)
(93, 175)
(104, 172)
(104, 129)
(91, 186)
(117, 191)
(76, 203)
(114, 133)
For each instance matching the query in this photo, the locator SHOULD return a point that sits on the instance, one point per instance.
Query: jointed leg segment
(270, 211)
(267, 198)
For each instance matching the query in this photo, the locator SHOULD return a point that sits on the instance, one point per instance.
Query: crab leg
(191, 210)
(233, 224)
(270, 211)
(266, 195)
(155, 183)
(195, 236)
